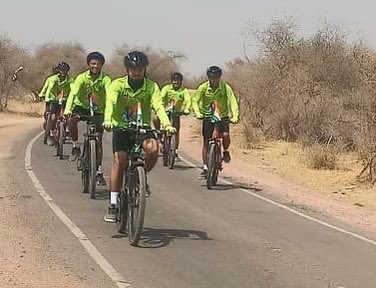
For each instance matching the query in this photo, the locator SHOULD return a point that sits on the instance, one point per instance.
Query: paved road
(199, 238)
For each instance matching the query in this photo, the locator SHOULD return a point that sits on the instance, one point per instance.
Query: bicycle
(132, 198)
(46, 126)
(169, 141)
(60, 132)
(87, 161)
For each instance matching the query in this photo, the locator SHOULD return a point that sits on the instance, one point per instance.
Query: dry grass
(25, 107)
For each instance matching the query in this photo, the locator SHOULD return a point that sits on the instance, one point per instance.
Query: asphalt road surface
(199, 238)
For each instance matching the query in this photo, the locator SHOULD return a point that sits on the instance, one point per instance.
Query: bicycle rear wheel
(172, 151)
(136, 204)
(122, 212)
(60, 140)
(92, 168)
(212, 167)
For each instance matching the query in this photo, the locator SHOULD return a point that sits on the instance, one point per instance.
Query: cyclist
(56, 94)
(124, 96)
(220, 92)
(180, 96)
(42, 93)
(91, 83)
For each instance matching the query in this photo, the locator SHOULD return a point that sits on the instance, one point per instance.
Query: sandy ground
(30, 255)
(279, 170)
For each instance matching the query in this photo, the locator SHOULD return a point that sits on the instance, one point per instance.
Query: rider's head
(136, 62)
(95, 60)
(176, 80)
(55, 69)
(214, 74)
(63, 69)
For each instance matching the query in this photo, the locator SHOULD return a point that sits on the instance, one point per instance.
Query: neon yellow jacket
(223, 95)
(42, 93)
(84, 86)
(181, 97)
(122, 102)
(57, 89)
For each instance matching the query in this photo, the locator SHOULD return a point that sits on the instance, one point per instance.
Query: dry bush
(38, 66)
(322, 157)
(318, 90)
(10, 53)
(162, 63)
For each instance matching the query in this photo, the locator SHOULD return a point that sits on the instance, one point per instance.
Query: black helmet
(136, 59)
(64, 67)
(55, 69)
(176, 76)
(214, 71)
(96, 56)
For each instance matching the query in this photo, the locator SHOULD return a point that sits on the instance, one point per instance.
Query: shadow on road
(226, 187)
(158, 238)
(183, 167)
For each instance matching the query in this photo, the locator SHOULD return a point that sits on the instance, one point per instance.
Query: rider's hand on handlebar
(234, 120)
(170, 130)
(107, 125)
(67, 113)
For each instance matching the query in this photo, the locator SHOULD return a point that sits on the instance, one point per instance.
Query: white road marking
(323, 223)
(84, 240)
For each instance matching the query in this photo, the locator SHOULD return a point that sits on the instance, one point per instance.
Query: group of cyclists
(118, 101)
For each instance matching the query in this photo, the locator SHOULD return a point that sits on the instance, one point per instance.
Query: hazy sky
(207, 32)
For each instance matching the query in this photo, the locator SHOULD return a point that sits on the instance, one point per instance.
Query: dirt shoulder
(278, 170)
(35, 248)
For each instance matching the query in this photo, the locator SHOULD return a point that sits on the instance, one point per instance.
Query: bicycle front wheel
(166, 149)
(92, 168)
(172, 151)
(47, 130)
(136, 204)
(60, 140)
(212, 167)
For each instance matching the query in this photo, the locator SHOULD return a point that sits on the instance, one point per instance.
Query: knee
(119, 161)
(151, 147)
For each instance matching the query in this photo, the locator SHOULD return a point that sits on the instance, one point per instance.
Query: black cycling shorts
(123, 140)
(55, 107)
(208, 128)
(98, 118)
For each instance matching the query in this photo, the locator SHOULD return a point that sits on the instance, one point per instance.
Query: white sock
(205, 167)
(99, 170)
(114, 196)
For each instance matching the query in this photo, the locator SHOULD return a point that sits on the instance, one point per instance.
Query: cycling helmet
(136, 59)
(214, 71)
(64, 67)
(176, 76)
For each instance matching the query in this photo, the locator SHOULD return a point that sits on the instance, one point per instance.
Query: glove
(186, 112)
(234, 120)
(170, 130)
(199, 116)
(67, 113)
(107, 125)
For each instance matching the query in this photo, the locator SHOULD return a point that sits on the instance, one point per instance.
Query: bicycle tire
(166, 147)
(84, 169)
(47, 130)
(92, 168)
(211, 165)
(60, 141)
(136, 204)
(122, 212)
(172, 151)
